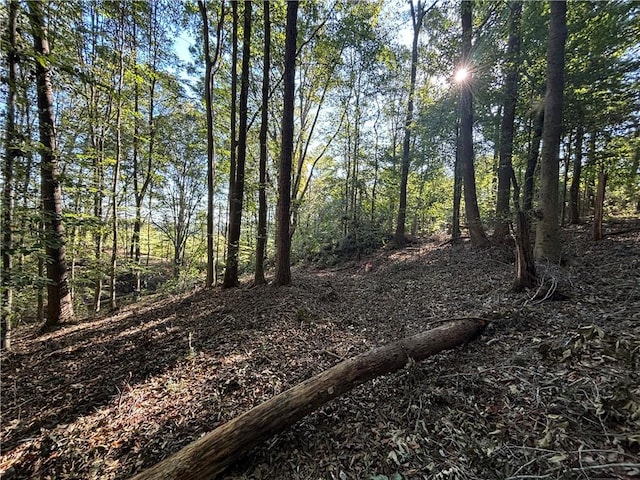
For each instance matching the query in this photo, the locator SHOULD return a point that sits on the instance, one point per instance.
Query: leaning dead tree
(209, 456)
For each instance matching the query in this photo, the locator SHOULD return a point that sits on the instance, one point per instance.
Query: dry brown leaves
(550, 391)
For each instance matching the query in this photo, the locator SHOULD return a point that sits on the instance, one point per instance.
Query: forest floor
(551, 390)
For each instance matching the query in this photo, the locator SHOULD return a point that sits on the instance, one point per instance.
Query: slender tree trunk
(532, 159)
(235, 208)
(457, 189)
(98, 132)
(12, 152)
(116, 167)
(134, 257)
(599, 205)
(505, 168)
(283, 240)
(565, 180)
(60, 306)
(417, 16)
(574, 191)
(476, 231)
(208, 81)
(590, 171)
(98, 180)
(548, 247)
(231, 269)
(261, 244)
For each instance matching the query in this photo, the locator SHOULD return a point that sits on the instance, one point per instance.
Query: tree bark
(283, 208)
(233, 247)
(457, 189)
(532, 158)
(525, 263)
(117, 163)
(476, 231)
(417, 16)
(574, 190)
(505, 168)
(210, 62)
(12, 152)
(60, 306)
(209, 456)
(548, 247)
(261, 243)
(599, 205)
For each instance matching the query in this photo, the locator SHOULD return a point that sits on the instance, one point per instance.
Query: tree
(12, 152)
(574, 190)
(120, 47)
(236, 195)
(476, 232)
(261, 243)
(505, 168)
(548, 247)
(182, 187)
(210, 64)
(60, 306)
(283, 208)
(418, 13)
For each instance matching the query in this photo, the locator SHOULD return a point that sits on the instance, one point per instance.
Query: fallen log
(210, 455)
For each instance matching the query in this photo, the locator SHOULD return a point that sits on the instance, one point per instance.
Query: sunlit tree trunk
(60, 306)
(474, 224)
(505, 168)
(283, 240)
(261, 244)
(548, 247)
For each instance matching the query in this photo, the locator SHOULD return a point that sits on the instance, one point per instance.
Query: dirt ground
(550, 391)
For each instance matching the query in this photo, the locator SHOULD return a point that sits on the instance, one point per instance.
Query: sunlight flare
(462, 75)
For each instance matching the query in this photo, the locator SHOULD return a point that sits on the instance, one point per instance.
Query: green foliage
(352, 81)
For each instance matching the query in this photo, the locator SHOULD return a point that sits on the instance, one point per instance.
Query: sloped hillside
(551, 390)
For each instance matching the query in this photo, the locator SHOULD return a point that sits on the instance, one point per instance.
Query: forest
(378, 239)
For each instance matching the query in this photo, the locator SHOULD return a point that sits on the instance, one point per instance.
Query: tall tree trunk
(599, 205)
(457, 189)
(261, 244)
(532, 158)
(565, 181)
(134, 254)
(231, 269)
(235, 207)
(476, 231)
(12, 152)
(142, 175)
(505, 168)
(548, 247)
(208, 86)
(417, 16)
(117, 163)
(283, 240)
(60, 306)
(574, 191)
